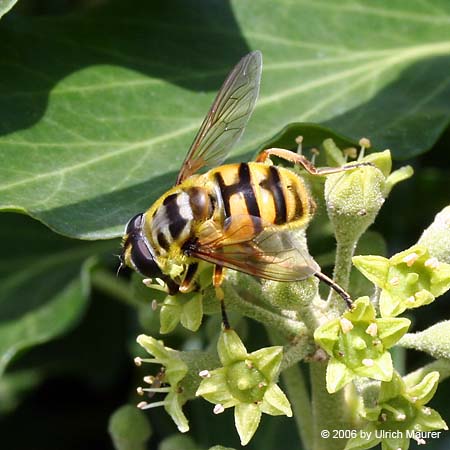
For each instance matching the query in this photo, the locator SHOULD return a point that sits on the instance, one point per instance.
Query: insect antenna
(333, 285)
(121, 264)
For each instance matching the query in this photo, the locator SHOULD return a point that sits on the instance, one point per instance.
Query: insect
(239, 216)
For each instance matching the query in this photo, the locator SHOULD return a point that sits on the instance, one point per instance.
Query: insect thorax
(172, 220)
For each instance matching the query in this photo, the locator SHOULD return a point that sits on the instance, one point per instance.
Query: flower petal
(381, 369)
(268, 361)
(192, 313)
(275, 402)
(246, 418)
(390, 330)
(424, 391)
(230, 348)
(169, 316)
(215, 389)
(338, 375)
(173, 408)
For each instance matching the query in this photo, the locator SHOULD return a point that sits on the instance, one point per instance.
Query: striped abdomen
(275, 194)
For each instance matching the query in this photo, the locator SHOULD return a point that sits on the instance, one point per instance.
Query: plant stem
(301, 405)
(288, 327)
(341, 274)
(295, 352)
(297, 392)
(329, 411)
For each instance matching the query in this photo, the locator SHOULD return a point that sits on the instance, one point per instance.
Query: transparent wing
(271, 253)
(227, 118)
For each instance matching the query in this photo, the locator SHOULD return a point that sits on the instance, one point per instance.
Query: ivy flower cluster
(356, 341)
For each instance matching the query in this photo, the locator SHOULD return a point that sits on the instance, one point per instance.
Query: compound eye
(143, 260)
(134, 223)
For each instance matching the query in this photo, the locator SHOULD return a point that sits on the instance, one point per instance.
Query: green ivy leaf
(95, 123)
(129, 428)
(42, 292)
(15, 385)
(5, 6)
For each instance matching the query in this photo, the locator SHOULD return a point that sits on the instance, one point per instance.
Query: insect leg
(333, 285)
(295, 158)
(189, 282)
(217, 281)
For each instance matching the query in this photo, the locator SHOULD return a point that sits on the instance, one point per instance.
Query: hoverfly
(239, 216)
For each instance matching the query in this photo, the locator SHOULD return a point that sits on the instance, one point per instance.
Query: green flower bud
(436, 238)
(408, 279)
(247, 381)
(129, 428)
(289, 295)
(220, 447)
(178, 442)
(353, 200)
(172, 371)
(435, 340)
(357, 344)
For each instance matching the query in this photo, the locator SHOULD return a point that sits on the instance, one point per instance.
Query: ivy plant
(347, 350)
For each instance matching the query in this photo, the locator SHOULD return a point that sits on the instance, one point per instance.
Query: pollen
(218, 409)
(149, 379)
(411, 299)
(140, 391)
(394, 281)
(138, 361)
(350, 152)
(432, 263)
(368, 362)
(410, 259)
(346, 325)
(364, 142)
(372, 329)
(204, 374)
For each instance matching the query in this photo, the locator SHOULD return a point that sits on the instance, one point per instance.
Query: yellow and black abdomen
(276, 195)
